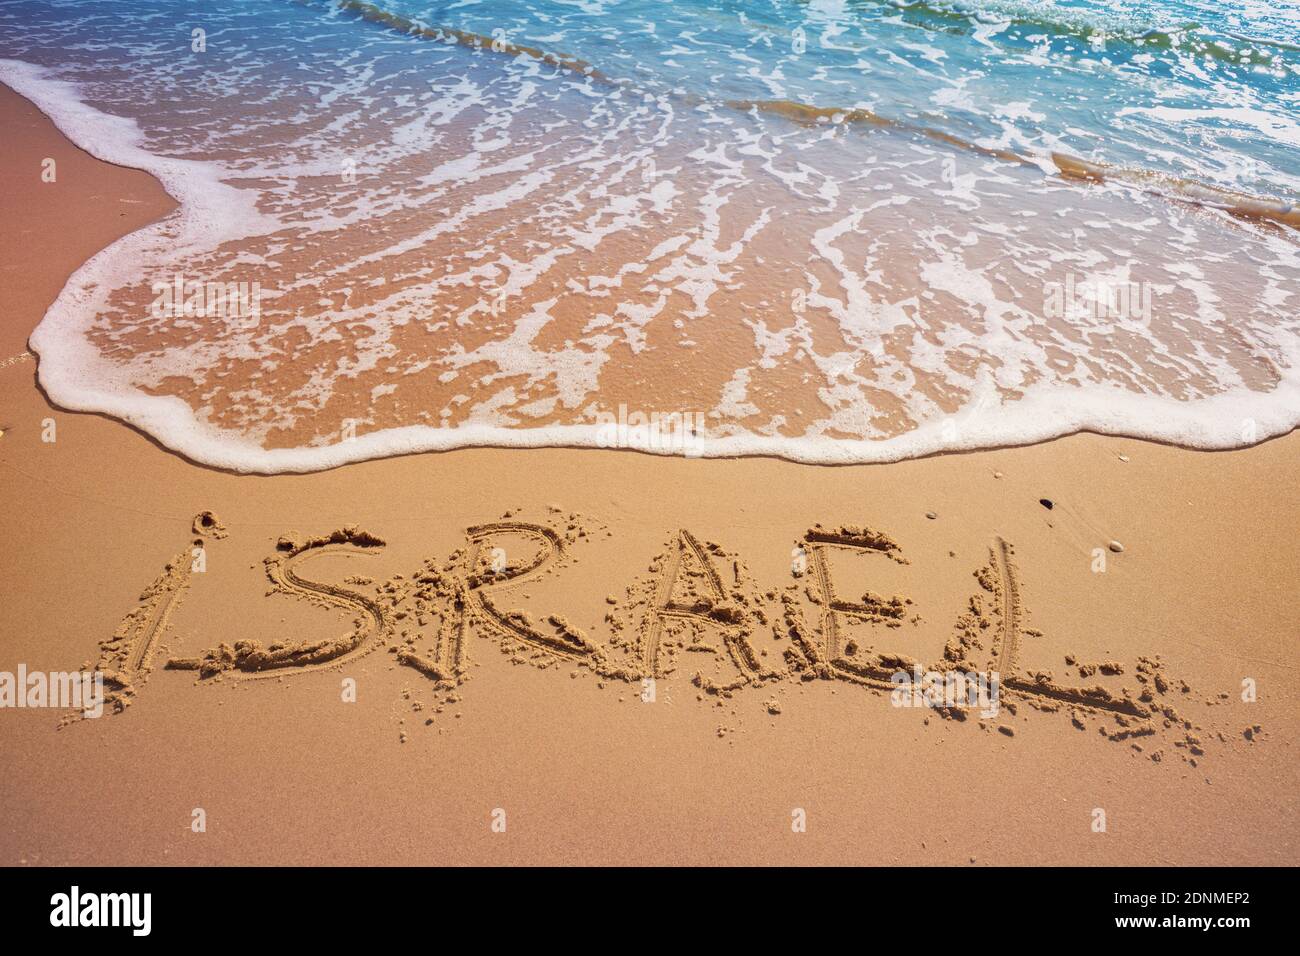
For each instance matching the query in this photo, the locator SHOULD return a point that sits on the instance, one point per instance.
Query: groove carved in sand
(369, 629)
(563, 639)
(1007, 650)
(688, 567)
(445, 602)
(686, 611)
(126, 658)
(826, 650)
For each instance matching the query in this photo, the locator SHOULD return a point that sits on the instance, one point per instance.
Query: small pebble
(931, 515)
(1116, 547)
(1123, 457)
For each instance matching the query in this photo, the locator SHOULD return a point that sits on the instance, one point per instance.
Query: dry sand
(715, 575)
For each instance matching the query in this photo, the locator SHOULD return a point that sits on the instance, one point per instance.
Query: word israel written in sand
(698, 612)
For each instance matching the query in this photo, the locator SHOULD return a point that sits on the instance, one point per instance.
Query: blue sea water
(1201, 90)
(834, 228)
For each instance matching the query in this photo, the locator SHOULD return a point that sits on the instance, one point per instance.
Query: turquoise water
(830, 231)
(1205, 91)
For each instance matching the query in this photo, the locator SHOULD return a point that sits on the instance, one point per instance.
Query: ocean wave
(522, 245)
(1183, 190)
(1086, 26)
(371, 13)
(1242, 205)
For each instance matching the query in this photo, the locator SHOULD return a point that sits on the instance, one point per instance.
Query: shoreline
(1044, 413)
(588, 772)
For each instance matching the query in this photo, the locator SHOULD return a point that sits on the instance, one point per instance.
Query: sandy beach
(1131, 591)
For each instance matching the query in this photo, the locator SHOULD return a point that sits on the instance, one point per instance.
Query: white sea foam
(72, 371)
(902, 301)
